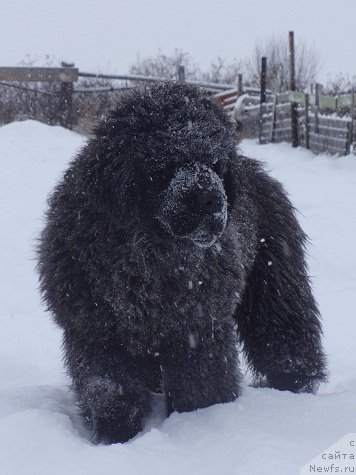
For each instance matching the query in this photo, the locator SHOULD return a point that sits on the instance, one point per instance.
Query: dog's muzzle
(195, 206)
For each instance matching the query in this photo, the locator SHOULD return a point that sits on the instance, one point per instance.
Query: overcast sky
(109, 35)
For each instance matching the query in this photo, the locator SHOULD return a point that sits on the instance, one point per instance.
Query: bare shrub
(276, 51)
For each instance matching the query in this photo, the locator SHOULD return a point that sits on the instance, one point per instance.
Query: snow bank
(263, 432)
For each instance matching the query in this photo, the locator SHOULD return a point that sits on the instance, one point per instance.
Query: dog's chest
(162, 296)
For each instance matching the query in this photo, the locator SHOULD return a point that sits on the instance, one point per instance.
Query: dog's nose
(210, 201)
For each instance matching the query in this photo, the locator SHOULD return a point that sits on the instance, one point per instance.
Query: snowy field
(264, 432)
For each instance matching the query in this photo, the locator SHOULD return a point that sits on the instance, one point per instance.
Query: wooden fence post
(353, 117)
(349, 136)
(316, 108)
(274, 118)
(66, 102)
(292, 87)
(181, 73)
(239, 85)
(263, 94)
(306, 118)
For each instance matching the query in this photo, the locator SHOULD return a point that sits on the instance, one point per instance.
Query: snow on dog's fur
(163, 248)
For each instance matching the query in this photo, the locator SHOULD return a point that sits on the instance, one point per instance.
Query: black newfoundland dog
(163, 249)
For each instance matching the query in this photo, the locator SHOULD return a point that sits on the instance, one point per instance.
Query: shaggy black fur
(163, 248)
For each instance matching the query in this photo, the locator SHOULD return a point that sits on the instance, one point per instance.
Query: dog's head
(179, 144)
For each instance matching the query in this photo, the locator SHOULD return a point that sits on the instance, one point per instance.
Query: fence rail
(33, 74)
(139, 78)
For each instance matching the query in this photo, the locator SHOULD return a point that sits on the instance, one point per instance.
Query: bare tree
(222, 71)
(165, 66)
(342, 83)
(276, 51)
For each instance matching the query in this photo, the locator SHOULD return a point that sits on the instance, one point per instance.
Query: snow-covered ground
(264, 432)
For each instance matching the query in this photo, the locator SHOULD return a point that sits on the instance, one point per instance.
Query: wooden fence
(65, 76)
(68, 96)
(228, 98)
(319, 125)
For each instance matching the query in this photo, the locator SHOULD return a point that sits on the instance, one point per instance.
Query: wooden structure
(66, 76)
(321, 126)
(33, 74)
(318, 126)
(317, 118)
(319, 123)
(292, 87)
